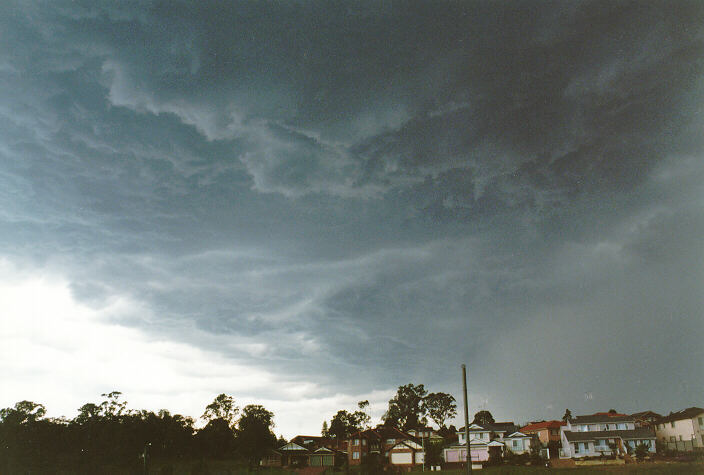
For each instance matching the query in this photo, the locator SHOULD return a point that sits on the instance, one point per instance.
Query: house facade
(603, 434)
(678, 428)
(519, 443)
(407, 454)
(374, 442)
(545, 431)
(487, 432)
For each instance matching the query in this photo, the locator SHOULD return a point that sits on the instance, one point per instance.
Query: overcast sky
(306, 204)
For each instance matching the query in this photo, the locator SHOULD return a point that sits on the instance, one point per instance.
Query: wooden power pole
(466, 419)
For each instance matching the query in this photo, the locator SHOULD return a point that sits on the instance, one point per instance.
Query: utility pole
(466, 419)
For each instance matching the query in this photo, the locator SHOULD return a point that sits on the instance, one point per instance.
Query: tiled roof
(601, 417)
(543, 425)
(641, 433)
(688, 413)
(649, 414)
(495, 427)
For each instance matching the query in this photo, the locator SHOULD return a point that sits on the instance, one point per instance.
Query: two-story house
(603, 433)
(486, 437)
(682, 430)
(546, 431)
(374, 442)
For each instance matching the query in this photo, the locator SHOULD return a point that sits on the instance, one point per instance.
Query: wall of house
(686, 429)
(458, 454)
(521, 446)
(603, 426)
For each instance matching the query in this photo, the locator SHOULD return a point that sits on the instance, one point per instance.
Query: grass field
(228, 468)
(649, 468)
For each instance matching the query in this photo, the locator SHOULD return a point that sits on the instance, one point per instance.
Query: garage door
(401, 458)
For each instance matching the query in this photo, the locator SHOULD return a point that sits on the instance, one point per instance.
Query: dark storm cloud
(328, 183)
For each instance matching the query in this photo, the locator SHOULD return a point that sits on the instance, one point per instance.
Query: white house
(682, 430)
(594, 435)
(519, 443)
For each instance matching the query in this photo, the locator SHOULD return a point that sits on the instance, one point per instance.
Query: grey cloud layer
(463, 182)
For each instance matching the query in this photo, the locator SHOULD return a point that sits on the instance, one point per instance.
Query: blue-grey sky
(306, 204)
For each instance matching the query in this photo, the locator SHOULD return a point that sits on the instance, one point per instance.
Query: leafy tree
(112, 407)
(483, 418)
(254, 433)
(495, 456)
(407, 408)
(222, 407)
(343, 424)
(440, 407)
(24, 412)
(324, 431)
(88, 412)
(567, 416)
(361, 417)
(554, 447)
(433, 453)
(641, 451)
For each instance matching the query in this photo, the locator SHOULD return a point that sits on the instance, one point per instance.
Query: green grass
(649, 468)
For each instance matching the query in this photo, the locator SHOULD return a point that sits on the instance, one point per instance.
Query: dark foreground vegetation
(107, 437)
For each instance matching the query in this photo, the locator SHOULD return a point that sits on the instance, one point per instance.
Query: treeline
(410, 408)
(109, 436)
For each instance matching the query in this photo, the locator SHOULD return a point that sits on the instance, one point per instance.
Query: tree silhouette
(483, 418)
(222, 407)
(440, 407)
(407, 408)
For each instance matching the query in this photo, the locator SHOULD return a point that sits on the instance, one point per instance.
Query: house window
(672, 438)
(390, 441)
(672, 424)
(355, 455)
(356, 442)
(515, 444)
(680, 436)
(364, 441)
(701, 421)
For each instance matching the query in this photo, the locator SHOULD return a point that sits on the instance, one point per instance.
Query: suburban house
(546, 431)
(293, 455)
(519, 443)
(646, 418)
(374, 442)
(487, 432)
(682, 430)
(407, 454)
(484, 438)
(455, 455)
(424, 433)
(602, 434)
(307, 453)
(326, 457)
(313, 442)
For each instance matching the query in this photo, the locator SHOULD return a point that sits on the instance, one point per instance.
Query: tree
(24, 412)
(433, 453)
(567, 416)
(254, 433)
(343, 424)
(361, 417)
(112, 407)
(440, 407)
(641, 451)
(324, 431)
(483, 418)
(407, 408)
(222, 407)
(87, 412)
